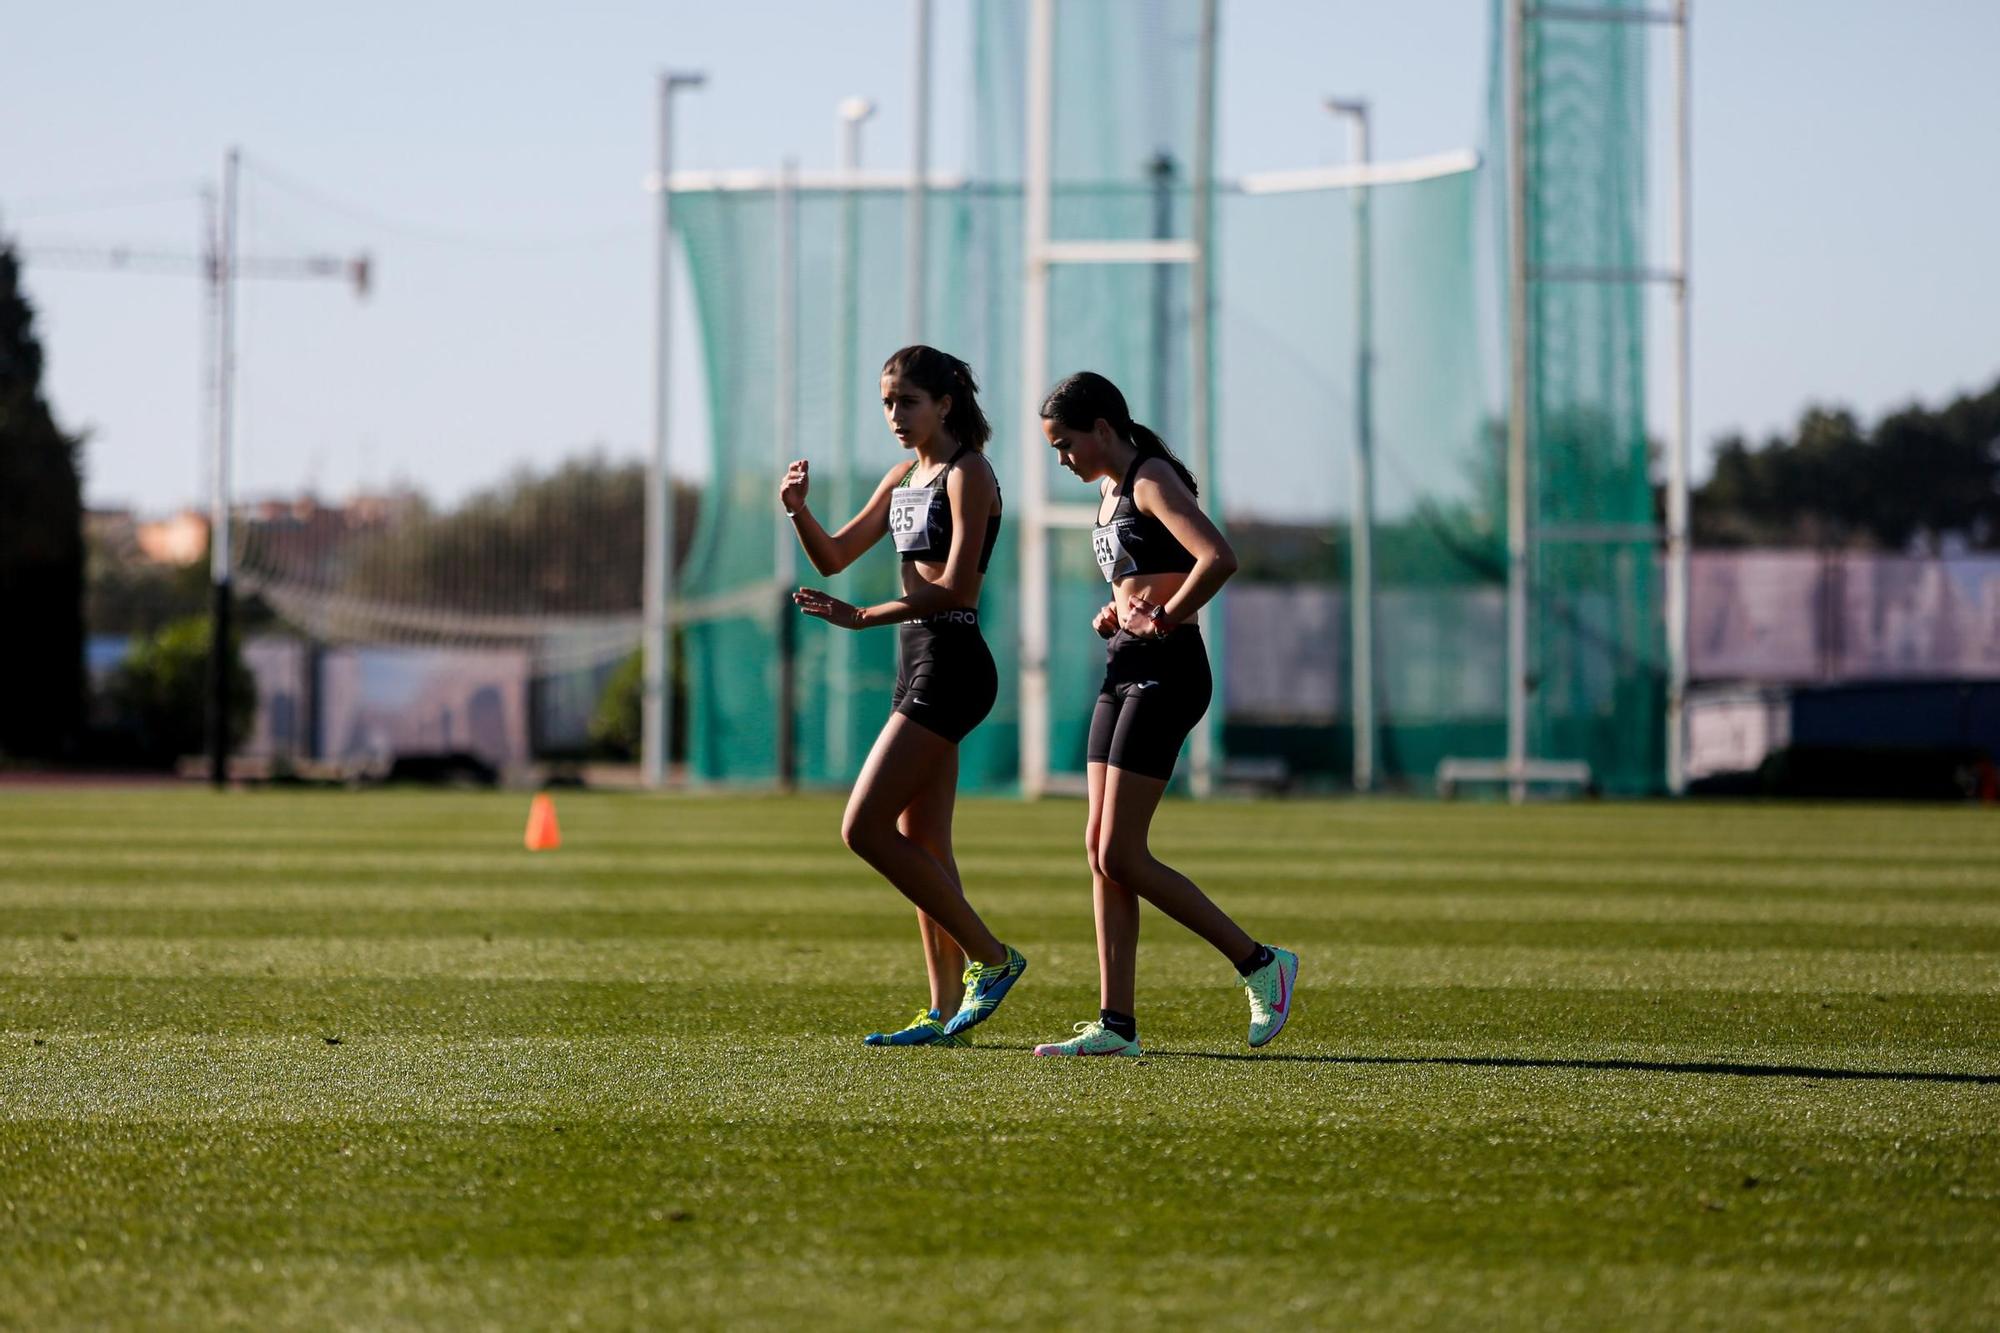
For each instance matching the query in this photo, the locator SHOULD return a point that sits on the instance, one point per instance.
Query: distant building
(179, 540)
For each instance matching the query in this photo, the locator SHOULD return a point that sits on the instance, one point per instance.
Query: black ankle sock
(1124, 1025)
(1259, 957)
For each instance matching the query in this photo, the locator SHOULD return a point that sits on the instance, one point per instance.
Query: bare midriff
(1155, 588)
(916, 573)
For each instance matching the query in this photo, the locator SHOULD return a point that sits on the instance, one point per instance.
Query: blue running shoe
(924, 1030)
(985, 986)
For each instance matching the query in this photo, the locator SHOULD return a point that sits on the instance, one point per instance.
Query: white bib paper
(913, 518)
(1112, 557)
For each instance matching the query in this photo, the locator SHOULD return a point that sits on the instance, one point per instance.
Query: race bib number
(913, 516)
(1112, 557)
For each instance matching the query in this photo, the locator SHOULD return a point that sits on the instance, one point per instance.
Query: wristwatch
(1159, 614)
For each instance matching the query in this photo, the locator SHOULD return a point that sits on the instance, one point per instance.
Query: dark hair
(1081, 399)
(938, 374)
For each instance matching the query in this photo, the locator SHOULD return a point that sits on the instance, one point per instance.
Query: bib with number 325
(913, 516)
(1112, 557)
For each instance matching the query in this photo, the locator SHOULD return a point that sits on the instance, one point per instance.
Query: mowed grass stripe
(143, 864)
(1187, 1005)
(1890, 835)
(571, 1217)
(677, 833)
(20, 902)
(300, 1078)
(1281, 921)
(735, 955)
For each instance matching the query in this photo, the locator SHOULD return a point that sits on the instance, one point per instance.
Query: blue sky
(490, 156)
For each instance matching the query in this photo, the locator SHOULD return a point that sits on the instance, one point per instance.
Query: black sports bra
(1130, 542)
(920, 518)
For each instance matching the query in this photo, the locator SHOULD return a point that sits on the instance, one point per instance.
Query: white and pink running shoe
(1270, 988)
(1091, 1039)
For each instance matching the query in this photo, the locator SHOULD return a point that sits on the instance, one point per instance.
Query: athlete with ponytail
(1164, 560)
(943, 509)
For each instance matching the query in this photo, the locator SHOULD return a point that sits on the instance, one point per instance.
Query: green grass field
(359, 1060)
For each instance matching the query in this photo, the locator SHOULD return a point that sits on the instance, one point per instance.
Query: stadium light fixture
(854, 111)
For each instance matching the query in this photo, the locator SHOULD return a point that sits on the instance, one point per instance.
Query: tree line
(1920, 479)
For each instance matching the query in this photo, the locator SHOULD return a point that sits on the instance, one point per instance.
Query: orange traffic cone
(543, 835)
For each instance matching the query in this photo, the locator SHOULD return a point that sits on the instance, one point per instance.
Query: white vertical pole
(1364, 468)
(224, 296)
(1677, 460)
(1034, 665)
(211, 339)
(1518, 405)
(220, 485)
(1361, 578)
(846, 328)
(784, 409)
(1201, 754)
(656, 649)
(915, 226)
(784, 416)
(655, 722)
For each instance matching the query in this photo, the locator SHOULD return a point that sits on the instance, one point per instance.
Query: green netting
(849, 254)
(1598, 648)
(1288, 380)
(1285, 385)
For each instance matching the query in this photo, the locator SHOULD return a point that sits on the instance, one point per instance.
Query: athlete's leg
(1117, 913)
(926, 821)
(909, 760)
(1127, 816)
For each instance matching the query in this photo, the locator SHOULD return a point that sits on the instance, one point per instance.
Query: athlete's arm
(831, 552)
(972, 493)
(1166, 498)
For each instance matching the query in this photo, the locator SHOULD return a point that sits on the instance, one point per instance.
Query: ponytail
(940, 374)
(1086, 397)
(1150, 445)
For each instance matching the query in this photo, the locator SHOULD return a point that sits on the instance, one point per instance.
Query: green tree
(614, 728)
(41, 545)
(570, 542)
(1919, 477)
(161, 692)
(125, 593)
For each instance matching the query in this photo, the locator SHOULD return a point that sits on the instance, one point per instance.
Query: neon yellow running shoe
(986, 984)
(924, 1030)
(1091, 1039)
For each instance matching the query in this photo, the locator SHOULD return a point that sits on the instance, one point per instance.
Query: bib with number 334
(913, 516)
(1112, 557)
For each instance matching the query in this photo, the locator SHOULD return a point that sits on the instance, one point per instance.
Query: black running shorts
(1154, 692)
(946, 681)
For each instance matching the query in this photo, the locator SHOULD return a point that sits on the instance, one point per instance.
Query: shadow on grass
(1622, 1066)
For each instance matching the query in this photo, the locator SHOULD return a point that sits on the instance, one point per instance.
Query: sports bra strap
(951, 463)
(1125, 486)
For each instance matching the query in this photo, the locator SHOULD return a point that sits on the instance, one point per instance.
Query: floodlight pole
(1036, 197)
(916, 217)
(785, 437)
(657, 585)
(1677, 459)
(1201, 420)
(1361, 575)
(222, 288)
(1518, 537)
(853, 113)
